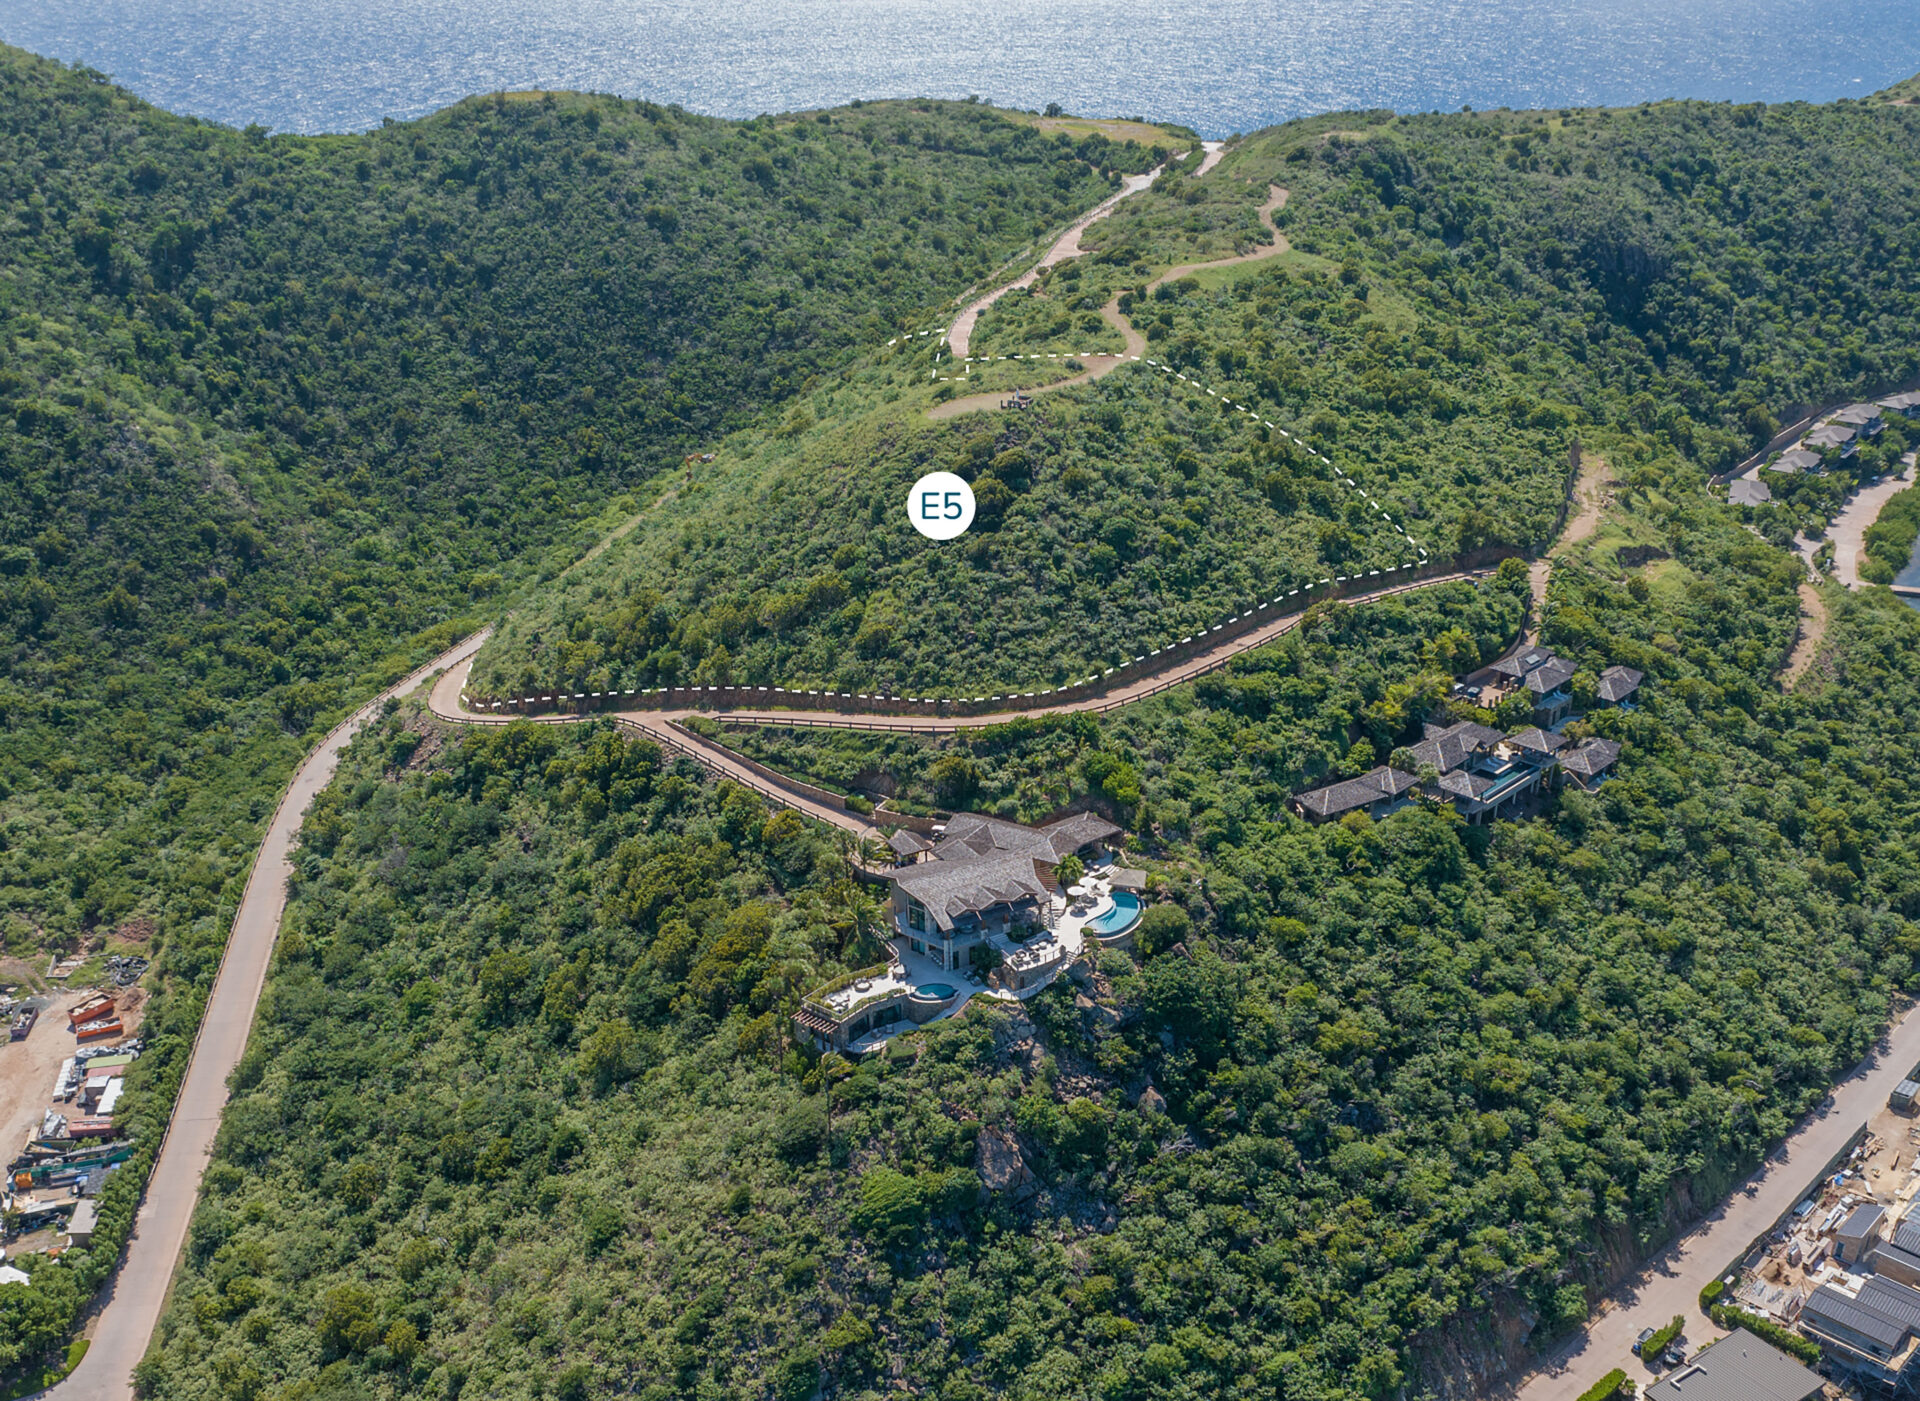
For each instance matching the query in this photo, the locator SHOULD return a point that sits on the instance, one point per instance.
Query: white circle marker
(940, 506)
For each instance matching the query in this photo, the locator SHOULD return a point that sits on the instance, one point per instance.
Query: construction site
(63, 1073)
(1842, 1269)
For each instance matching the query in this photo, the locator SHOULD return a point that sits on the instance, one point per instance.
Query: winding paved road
(129, 1306)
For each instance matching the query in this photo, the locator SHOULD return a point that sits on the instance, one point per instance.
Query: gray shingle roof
(1550, 676)
(980, 834)
(1619, 682)
(1797, 460)
(1857, 415)
(1749, 493)
(973, 832)
(1378, 785)
(1522, 662)
(1740, 1367)
(1831, 435)
(905, 843)
(969, 884)
(1537, 741)
(1900, 403)
(1447, 747)
(1073, 832)
(1591, 757)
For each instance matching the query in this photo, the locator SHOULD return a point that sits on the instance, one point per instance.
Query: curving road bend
(1135, 347)
(128, 1308)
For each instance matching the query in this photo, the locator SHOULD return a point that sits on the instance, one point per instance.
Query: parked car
(1674, 1356)
(1645, 1333)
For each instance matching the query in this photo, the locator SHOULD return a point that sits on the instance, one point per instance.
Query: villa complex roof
(980, 834)
(1619, 682)
(1900, 403)
(1522, 662)
(1797, 460)
(1749, 493)
(1857, 415)
(1073, 832)
(1830, 435)
(905, 843)
(1550, 676)
(1591, 757)
(1379, 785)
(963, 885)
(1447, 747)
(1538, 741)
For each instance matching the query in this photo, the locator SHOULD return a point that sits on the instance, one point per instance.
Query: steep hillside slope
(275, 412)
(1463, 298)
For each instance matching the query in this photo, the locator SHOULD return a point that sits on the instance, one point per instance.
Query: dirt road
(960, 330)
(1671, 1283)
(1099, 366)
(129, 1307)
(1813, 631)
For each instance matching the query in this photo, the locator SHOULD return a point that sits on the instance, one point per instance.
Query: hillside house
(1480, 770)
(1376, 793)
(1906, 405)
(1551, 685)
(986, 877)
(1747, 492)
(1619, 685)
(1589, 761)
(1796, 460)
(1833, 435)
(1864, 419)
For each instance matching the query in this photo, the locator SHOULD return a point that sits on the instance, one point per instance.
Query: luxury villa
(979, 907)
(1481, 772)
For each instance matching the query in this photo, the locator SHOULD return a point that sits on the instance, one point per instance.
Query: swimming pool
(1118, 920)
(938, 991)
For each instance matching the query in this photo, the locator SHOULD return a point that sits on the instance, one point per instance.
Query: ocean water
(1219, 66)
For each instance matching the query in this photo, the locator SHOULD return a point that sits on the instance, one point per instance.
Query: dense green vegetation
(282, 415)
(1465, 295)
(1411, 1071)
(1889, 540)
(277, 413)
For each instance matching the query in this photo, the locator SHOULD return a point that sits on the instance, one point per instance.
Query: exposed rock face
(1001, 1166)
(1151, 1101)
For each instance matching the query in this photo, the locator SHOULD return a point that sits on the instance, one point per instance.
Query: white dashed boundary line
(1072, 685)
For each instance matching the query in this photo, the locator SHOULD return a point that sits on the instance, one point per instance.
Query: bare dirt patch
(1812, 633)
(27, 1069)
(1591, 492)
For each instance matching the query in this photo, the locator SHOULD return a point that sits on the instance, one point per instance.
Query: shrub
(1657, 1344)
(1714, 1289)
(1608, 1386)
(1728, 1317)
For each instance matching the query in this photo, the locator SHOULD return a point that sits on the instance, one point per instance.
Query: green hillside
(1464, 296)
(279, 414)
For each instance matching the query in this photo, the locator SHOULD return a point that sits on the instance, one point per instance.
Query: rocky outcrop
(1002, 1166)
